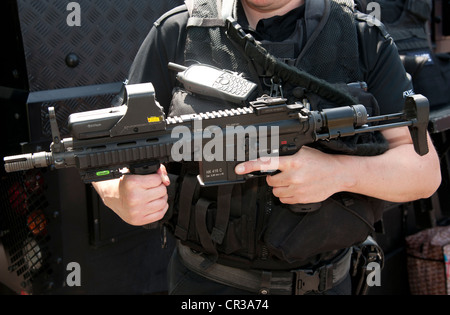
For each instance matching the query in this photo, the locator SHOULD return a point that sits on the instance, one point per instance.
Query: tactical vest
(325, 56)
(245, 225)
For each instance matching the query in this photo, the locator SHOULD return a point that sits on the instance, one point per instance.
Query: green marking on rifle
(103, 173)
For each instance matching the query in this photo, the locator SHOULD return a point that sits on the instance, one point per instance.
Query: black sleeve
(384, 72)
(164, 43)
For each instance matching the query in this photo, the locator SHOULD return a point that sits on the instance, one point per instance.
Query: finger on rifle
(278, 180)
(155, 193)
(157, 204)
(164, 176)
(144, 181)
(263, 164)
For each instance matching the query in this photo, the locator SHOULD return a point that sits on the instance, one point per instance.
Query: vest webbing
(331, 52)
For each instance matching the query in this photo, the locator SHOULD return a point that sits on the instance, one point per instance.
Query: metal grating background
(105, 45)
(24, 226)
(106, 42)
(64, 108)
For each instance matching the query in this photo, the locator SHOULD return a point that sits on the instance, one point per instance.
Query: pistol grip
(146, 169)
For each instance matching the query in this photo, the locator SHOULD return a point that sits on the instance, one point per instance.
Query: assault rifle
(138, 137)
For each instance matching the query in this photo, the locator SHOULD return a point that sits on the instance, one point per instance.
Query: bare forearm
(399, 175)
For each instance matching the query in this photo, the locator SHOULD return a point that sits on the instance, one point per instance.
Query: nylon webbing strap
(203, 22)
(269, 282)
(223, 213)
(227, 8)
(201, 210)
(286, 73)
(185, 204)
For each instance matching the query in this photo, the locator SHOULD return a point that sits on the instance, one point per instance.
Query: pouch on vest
(342, 221)
(217, 220)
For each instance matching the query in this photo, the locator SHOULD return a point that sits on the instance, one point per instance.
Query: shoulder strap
(228, 9)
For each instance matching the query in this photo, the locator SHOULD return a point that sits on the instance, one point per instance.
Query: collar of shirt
(274, 29)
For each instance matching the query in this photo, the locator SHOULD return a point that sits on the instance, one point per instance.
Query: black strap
(224, 196)
(270, 282)
(201, 210)
(187, 193)
(285, 72)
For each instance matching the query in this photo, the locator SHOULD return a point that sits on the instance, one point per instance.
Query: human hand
(309, 176)
(138, 199)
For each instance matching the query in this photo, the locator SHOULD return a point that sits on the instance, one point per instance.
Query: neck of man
(257, 10)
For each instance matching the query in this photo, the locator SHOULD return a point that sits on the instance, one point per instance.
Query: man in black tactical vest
(293, 232)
